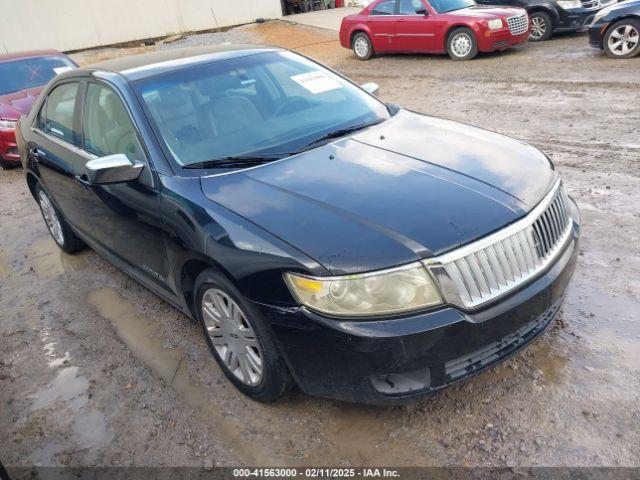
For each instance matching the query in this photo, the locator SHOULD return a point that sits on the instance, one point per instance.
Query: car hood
(487, 12)
(19, 103)
(409, 188)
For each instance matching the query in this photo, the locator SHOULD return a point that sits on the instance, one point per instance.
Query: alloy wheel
(623, 39)
(538, 28)
(361, 47)
(51, 218)
(232, 336)
(461, 44)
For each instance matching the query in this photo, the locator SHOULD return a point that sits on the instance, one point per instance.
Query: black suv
(550, 16)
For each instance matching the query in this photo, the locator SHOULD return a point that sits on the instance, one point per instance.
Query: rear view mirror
(112, 169)
(422, 11)
(370, 87)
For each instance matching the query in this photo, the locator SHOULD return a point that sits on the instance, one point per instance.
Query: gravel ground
(96, 370)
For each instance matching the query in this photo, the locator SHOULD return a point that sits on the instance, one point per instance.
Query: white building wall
(74, 24)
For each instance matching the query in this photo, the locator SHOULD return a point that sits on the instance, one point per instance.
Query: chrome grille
(486, 269)
(518, 24)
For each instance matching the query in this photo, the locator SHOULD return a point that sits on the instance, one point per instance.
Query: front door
(414, 30)
(381, 23)
(124, 217)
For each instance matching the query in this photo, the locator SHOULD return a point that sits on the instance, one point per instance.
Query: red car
(22, 77)
(459, 27)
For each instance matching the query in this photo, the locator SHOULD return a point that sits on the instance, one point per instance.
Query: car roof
(30, 54)
(145, 65)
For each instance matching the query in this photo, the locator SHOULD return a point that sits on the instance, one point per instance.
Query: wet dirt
(96, 370)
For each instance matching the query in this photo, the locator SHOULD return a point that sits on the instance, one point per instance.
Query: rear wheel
(58, 227)
(622, 40)
(240, 339)
(461, 44)
(362, 47)
(541, 27)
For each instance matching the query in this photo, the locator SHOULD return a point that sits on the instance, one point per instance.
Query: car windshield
(443, 6)
(33, 72)
(261, 104)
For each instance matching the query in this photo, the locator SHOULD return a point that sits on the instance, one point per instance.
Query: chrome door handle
(37, 154)
(83, 181)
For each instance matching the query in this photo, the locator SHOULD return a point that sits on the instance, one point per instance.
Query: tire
(8, 165)
(541, 27)
(362, 46)
(462, 44)
(58, 227)
(622, 39)
(223, 312)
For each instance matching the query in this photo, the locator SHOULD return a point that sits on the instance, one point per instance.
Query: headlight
(495, 24)
(569, 3)
(602, 13)
(7, 124)
(385, 292)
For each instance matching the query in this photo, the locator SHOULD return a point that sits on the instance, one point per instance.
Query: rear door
(55, 147)
(381, 22)
(414, 32)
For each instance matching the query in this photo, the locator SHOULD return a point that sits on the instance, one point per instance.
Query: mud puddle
(353, 433)
(610, 322)
(67, 386)
(142, 337)
(48, 261)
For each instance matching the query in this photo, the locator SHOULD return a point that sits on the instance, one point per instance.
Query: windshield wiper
(236, 161)
(338, 133)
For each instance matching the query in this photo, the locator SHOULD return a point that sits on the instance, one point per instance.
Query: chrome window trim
(64, 144)
(450, 287)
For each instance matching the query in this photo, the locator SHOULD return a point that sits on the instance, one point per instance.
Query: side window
(56, 116)
(386, 7)
(409, 7)
(106, 125)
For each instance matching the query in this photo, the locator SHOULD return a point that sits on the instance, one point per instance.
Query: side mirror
(112, 169)
(422, 11)
(370, 87)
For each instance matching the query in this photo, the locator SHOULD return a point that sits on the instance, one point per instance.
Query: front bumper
(491, 41)
(596, 34)
(391, 361)
(8, 146)
(575, 19)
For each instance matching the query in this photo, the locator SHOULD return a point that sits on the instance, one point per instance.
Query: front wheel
(461, 44)
(622, 40)
(362, 47)
(240, 339)
(541, 27)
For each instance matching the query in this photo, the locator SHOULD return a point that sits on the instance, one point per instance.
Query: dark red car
(459, 27)
(22, 77)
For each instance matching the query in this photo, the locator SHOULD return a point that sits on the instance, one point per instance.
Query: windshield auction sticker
(316, 82)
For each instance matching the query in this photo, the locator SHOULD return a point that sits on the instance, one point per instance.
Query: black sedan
(320, 237)
(616, 30)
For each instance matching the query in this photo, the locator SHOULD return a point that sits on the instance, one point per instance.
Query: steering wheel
(291, 104)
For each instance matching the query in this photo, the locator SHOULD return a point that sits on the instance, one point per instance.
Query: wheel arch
(626, 16)
(32, 182)
(190, 271)
(359, 29)
(549, 10)
(451, 28)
